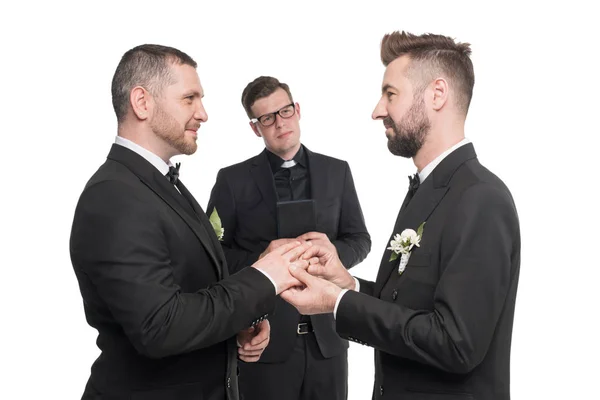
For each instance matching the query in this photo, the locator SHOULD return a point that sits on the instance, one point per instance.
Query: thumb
(301, 275)
(316, 270)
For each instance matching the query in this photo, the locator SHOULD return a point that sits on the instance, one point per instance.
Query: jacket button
(228, 383)
(395, 294)
(381, 390)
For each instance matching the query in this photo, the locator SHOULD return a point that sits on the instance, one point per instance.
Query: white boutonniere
(403, 243)
(215, 221)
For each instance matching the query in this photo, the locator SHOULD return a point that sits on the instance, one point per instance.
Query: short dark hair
(149, 66)
(263, 86)
(431, 56)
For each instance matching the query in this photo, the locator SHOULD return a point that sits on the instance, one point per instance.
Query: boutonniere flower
(403, 243)
(215, 221)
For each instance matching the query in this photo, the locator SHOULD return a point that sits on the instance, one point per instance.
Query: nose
(200, 113)
(379, 112)
(279, 121)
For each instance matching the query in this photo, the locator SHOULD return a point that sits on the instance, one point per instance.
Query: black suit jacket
(155, 285)
(245, 197)
(442, 329)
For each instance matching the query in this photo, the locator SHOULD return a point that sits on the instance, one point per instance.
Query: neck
(148, 140)
(287, 154)
(439, 139)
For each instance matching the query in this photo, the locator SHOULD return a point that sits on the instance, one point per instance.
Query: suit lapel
(418, 210)
(263, 177)
(217, 256)
(152, 178)
(426, 199)
(318, 173)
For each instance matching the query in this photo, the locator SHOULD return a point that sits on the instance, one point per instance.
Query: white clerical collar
(149, 156)
(424, 173)
(288, 164)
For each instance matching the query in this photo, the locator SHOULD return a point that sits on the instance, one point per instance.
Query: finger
(256, 343)
(251, 352)
(295, 252)
(315, 251)
(280, 242)
(291, 296)
(300, 264)
(286, 247)
(249, 359)
(293, 282)
(311, 236)
(316, 270)
(264, 330)
(303, 276)
(313, 260)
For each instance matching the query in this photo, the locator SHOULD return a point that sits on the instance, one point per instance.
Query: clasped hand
(315, 275)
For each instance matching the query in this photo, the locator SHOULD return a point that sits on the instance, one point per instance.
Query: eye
(390, 94)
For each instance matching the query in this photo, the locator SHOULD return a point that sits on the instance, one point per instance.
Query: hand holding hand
(315, 296)
(325, 263)
(319, 239)
(276, 264)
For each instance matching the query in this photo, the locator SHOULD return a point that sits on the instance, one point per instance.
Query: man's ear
(141, 102)
(255, 128)
(440, 93)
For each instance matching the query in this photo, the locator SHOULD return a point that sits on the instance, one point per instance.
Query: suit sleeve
(119, 246)
(477, 254)
(353, 242)
(366, 287)
(222, 198)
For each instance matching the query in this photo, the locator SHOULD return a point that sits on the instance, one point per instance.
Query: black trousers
(306, 375)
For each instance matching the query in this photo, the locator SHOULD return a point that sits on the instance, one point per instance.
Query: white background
(532, 121)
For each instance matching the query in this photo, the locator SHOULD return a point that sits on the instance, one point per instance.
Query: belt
(304, 328)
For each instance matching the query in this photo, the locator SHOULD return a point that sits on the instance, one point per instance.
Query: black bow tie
(173, 173)
(414, 183)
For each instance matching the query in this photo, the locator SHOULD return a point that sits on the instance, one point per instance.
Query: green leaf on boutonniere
(394, 256)
(215, 221)
(420, 230)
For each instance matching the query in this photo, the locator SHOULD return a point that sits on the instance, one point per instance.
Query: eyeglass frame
(274, 114)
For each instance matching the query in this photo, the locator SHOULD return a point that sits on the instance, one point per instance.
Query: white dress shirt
(423, 174)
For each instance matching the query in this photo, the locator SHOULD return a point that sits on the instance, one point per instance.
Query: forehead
(271, 103)
(185, 79)
(396, 72)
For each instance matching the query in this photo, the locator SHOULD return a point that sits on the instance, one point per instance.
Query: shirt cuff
(271, 279)
(337, 302)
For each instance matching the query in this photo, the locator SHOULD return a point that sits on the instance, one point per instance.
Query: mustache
(193, 127)
(388, 122)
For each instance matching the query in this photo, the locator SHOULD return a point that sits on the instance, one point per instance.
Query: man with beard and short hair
(306, 359)
(152, 274)
(440, 313)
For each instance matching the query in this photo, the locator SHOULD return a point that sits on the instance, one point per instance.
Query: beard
(410, 133)
(167, 128)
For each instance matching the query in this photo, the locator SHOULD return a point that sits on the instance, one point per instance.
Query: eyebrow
(195, 93)
(387, 86)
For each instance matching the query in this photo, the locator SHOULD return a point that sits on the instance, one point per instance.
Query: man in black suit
(440, 313)
(152, 274)
(306, 359)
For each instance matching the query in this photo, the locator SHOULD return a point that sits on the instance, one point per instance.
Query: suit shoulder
(329, 159)
(113, 181)
(479, 182)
